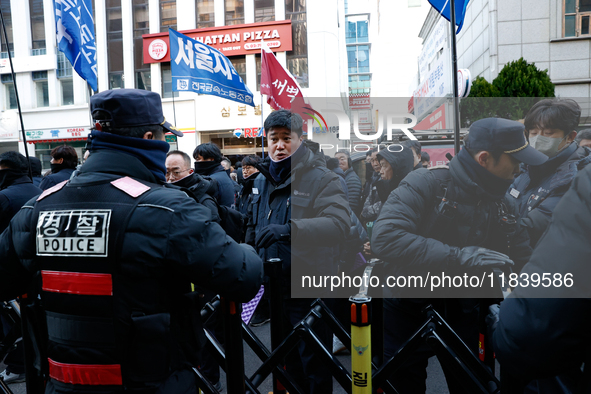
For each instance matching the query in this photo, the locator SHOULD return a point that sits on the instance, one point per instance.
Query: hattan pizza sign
(230, 40)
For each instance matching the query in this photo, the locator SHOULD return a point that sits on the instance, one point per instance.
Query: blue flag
(75, 36)
(460, 6)
(199, 68)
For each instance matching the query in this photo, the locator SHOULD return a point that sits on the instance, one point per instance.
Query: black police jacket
(13, 197)
(312, 200)
(412, 236)
(114, 255)
(543, 327)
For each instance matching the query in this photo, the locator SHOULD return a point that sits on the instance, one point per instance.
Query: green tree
(512, 93)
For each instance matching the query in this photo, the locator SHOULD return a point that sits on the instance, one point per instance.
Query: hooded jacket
(13, 196)
(401, 163)
(353, 189)
(538, 189)
(312, 200)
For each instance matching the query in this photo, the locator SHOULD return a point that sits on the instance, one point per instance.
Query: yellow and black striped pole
(361, 344)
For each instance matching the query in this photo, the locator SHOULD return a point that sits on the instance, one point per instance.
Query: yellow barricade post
(361, 344)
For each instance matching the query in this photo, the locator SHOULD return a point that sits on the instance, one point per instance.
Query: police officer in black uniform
(112, 255)
(456, 221)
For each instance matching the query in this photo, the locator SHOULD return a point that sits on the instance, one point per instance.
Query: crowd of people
(123, 250)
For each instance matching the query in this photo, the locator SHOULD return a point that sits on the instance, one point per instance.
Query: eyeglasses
(175, 174)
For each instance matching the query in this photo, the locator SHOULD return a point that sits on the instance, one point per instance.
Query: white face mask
(546, 145)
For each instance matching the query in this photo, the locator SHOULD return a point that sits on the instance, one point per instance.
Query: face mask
(546, 145)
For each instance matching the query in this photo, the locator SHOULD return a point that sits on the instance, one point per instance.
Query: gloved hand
(475, 256)
(273, 233)
(492, 319)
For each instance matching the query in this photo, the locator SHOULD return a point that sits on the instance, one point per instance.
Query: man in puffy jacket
(550, 125)
(352, 179)
(111, 255)
(451, 221)
(208, 158)
(299, 214)
(542, 331)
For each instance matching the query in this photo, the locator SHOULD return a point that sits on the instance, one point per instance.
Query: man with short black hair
(208, 159)
(551, 128)
(451, 221)
(299, 214)
(112, 255)
(64, 160)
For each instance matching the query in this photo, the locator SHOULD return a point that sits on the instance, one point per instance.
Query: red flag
(277, 83)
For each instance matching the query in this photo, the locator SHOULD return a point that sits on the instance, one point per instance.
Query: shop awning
(54, 140)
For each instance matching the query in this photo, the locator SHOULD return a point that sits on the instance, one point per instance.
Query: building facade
(54, 99)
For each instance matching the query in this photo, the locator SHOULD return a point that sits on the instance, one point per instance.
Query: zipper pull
(269, 215)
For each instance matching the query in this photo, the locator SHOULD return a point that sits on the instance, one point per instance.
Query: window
(414, 3)
(115, 44)
(205, 13)
(141, 25)
(9, 90)
(37, 27)
(234, 12)
(64, 68)
(264, 10)
(239, 63)
(297, 59)
(576, 18)
(167, 15)
(358, 58)
(167, 81)
(359, 83)
(67, 86)
(41, 88)
(357, 29)
(5, 5)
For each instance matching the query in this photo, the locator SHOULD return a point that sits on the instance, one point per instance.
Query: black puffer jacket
(56, 177)
(170, 233)
(312, 200)
(14, 196)
(543, 330)
(353, 189)
(541, 187)
(413, 238)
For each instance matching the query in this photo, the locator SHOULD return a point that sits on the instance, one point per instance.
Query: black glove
(475, 256)
(273, 233)
(492, 319)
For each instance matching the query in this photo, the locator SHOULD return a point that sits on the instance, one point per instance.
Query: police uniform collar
(117, 163)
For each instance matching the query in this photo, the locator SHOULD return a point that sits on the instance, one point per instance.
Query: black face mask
(8, 176)
(205, 167)
(55, 168)
(185, 182)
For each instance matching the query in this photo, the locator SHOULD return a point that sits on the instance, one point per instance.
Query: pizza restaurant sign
(230, 40)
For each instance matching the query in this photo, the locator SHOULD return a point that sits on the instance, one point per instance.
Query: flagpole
(262, 124)
(454, 61)
(18, 102)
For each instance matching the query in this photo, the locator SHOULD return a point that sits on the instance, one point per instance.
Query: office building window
(5, 5)
(264, 10)
(297, 59)
(67, 86)
(167, 81)
(9, 91)
(358, 58)
(239, 63)
(115, 44)
(356, 29)
(64, 68)
(576, 18)
(41, 88)
(205, 13)
(167, 15)
(141, 25)
(37, 27)
(234, 12)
